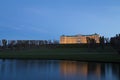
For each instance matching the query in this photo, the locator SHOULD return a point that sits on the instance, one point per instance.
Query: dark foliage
(115, 42)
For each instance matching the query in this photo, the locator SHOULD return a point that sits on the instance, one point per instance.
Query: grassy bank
(108, 54)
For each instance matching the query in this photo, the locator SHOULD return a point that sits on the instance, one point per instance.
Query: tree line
(18, 44)
(115, 42)
(21, 44)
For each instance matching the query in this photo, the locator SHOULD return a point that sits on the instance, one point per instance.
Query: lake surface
(57, 70)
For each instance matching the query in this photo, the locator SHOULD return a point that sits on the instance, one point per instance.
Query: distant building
(77, 39)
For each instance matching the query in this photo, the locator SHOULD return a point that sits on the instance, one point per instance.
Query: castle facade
(77, 39)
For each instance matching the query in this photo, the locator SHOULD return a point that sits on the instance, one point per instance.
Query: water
(57, 70)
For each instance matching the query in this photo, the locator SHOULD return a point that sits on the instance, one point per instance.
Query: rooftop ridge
(80, 35)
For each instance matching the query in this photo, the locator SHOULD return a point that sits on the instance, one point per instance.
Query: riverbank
(107, 54)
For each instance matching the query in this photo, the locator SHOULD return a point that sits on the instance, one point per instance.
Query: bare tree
(4, 43)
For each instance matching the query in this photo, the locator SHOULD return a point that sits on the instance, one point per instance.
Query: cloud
(39, 11)
(26, 28)
(31, 29)
(38, 30)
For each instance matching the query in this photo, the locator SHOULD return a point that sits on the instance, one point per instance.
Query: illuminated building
(77, 39)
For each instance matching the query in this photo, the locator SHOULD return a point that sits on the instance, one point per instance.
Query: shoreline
(73, 57)
(75, 54)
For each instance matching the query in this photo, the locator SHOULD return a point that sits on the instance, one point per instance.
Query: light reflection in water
(72, 68)
(82, 69)
(57, 70)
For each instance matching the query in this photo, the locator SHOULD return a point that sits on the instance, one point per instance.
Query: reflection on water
(57, 70)
(72, 68)
(84, 70)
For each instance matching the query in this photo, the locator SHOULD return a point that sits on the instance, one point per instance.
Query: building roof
(80, 35)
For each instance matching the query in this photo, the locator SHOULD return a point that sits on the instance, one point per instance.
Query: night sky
(49, 19)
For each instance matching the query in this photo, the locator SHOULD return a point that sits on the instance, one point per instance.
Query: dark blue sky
(48, 19)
